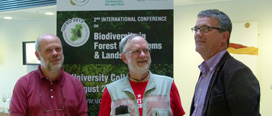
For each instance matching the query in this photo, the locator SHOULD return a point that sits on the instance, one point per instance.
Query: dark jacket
(233, 90)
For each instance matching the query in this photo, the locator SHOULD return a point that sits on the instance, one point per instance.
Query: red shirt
(139, 89)
(67, 91)
(105, 106)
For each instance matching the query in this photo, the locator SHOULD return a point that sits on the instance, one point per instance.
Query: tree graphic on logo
(76, 32)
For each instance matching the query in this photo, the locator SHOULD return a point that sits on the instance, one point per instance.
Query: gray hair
(37, 44)
(125, 40)
(224, 21)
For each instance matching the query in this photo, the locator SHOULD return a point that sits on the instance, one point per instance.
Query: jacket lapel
(214, 77)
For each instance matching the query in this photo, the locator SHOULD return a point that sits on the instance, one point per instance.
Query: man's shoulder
(161, 80)
(234, 63)
(161, 77)
(29, 76)
(229, 60)
(29, 79)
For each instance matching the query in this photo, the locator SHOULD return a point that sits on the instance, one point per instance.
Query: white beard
(139, 70)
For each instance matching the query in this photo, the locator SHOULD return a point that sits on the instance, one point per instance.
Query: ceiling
(28, 14)
(35, 13)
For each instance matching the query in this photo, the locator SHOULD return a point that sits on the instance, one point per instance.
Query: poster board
(90, 31)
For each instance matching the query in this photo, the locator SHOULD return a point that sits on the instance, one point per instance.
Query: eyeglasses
(59, 109)
(206, 29)
(138, 52)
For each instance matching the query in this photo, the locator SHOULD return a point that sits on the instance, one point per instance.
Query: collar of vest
(150, 85)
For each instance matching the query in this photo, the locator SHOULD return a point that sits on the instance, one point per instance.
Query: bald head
(45, 38)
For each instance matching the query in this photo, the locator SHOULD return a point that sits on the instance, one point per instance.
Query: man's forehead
(50, 42)
(136, 41)
(202, 21)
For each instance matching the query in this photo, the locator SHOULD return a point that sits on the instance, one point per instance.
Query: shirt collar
(210, 64)
(60, 80)
(151, 83)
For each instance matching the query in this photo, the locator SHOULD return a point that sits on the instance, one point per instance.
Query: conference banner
(90, 31)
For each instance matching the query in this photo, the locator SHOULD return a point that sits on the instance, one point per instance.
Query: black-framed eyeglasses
(206, 29)
(50, 110)
(138, 52)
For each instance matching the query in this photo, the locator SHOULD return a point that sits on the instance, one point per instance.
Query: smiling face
(209, 43)
(50, 53)
(138, 62)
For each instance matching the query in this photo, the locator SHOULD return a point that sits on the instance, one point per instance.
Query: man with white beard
(141, 93)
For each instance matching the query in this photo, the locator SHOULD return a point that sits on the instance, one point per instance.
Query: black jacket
(233, 90)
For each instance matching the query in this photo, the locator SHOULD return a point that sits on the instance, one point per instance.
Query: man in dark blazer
(226, 87)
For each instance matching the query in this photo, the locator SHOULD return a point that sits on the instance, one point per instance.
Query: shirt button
(52, 96)
(200, 89)
(51, 89)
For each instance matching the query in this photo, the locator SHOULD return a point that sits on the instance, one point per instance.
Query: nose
(143, 54)
(55, 52)
(198, 33)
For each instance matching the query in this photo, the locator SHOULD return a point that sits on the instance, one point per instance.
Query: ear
(226, 36)
(37, 55)
(123, 56)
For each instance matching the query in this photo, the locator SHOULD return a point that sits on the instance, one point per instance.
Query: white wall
(12, 35)
(186, 60)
